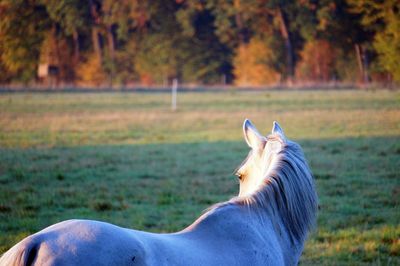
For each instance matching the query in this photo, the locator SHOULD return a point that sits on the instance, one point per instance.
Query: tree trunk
(111, 44)
(364, 56)
(239, 24)
(56, 69)
(288, 45)
(75, 38)
(96, 44)
(243, 38)
(111, 49)
(362, 61)
(95, 31)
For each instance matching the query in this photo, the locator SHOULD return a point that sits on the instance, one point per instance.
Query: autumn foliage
(247, 43)
(317, 61)
(90, 72)
(253, 65)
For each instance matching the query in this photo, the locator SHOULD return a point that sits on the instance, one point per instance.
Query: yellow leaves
(91, 71)
(317, 61)
(387, 45)
(252, 65)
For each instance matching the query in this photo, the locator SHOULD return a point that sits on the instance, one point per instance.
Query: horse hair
(288, 192)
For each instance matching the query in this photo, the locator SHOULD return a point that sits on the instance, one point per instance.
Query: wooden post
(174, 92)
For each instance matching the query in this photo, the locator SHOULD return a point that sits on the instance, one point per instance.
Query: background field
(127, 159)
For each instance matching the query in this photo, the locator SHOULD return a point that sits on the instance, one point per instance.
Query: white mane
(288, 193)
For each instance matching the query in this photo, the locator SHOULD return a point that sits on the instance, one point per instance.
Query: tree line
(252, 42)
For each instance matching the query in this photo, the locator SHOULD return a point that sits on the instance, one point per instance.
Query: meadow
(126, 158)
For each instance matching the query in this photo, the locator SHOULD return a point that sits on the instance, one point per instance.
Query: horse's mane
(288, 192)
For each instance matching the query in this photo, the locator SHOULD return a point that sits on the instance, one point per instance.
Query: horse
(266, 224)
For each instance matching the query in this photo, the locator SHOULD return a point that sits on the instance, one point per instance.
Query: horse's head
(263, 151)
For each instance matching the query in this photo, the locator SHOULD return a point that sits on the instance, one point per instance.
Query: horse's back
(84, 242)
(77, 242)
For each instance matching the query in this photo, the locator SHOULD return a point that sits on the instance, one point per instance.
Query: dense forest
(245, 43)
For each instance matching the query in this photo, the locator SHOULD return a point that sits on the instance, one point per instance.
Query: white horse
(266, 224)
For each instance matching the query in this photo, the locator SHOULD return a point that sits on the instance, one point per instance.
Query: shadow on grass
(164, 187)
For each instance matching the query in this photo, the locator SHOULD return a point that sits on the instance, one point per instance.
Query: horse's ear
(253, 138)
(276, 129)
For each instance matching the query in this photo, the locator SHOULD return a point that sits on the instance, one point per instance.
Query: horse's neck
(220, 217)
(233, 221)
(271, 221)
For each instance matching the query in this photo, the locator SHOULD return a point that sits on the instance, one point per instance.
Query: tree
(71, 17)
(233, 20)
(317, 61)
(21, 39)
(120, 20)
(238, 22)
(382, 17)
(387, 45)
(253, 64)
(117, 42)
(91, 72)
(157, 61)
(343, 30)
(203, 58)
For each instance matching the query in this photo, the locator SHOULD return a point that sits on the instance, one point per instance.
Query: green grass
(127, 159)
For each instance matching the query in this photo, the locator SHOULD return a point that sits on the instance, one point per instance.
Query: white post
(174, 92)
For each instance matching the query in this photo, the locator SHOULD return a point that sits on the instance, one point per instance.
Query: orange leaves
(253, 64)
(91, 71)
(317, 61)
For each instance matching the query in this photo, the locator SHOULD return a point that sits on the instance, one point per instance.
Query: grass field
(127, 159)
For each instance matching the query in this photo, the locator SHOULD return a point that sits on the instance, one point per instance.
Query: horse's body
(260, 227)
(222, 237)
